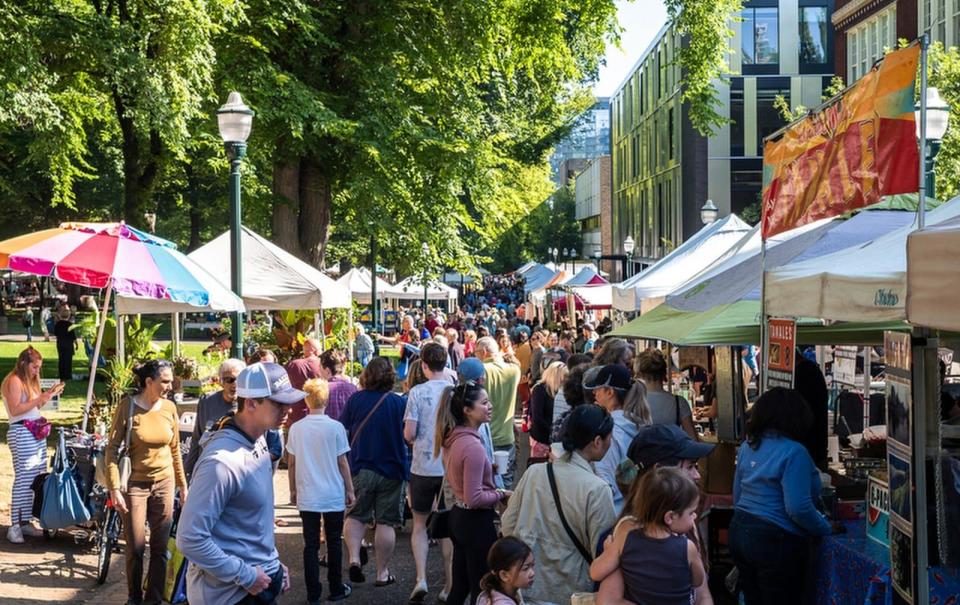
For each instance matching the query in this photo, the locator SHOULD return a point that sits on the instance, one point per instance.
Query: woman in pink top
(468, 471)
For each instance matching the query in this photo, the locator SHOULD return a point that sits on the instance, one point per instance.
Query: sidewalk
(60, 571)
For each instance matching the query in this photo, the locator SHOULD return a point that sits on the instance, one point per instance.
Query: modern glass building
(663, 169)
(589, 139)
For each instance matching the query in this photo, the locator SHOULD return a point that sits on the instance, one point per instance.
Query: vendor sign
(781, 348)
(845, 365)
(846, 156)
(54, 402)
(878, 510)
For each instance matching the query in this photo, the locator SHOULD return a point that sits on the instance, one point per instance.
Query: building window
(761, 36)
(769, 119)
(736, 117)
(853, 62)
(813, 34)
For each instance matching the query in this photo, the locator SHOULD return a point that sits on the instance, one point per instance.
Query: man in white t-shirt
(426, 471)
(317, 457)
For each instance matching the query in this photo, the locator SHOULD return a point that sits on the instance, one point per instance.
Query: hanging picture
(901, 495)
(901, 561)
(897, 356)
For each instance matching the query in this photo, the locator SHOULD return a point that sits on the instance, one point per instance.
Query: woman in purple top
(461, 411)
(331, 368)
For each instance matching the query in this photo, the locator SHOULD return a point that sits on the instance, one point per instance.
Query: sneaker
(347, 589)
(14, 535)
(31, 530)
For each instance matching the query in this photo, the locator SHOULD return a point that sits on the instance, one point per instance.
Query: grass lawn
(71, 402)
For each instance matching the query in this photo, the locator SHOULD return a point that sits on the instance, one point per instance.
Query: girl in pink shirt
(511, 570)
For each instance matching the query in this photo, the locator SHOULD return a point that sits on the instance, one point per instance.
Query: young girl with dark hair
(659, 564)
(461, 411)
(511, 570)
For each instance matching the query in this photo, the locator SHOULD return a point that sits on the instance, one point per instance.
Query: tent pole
(122, 338)
(349, 337)
(318, 327)
(764, 330)
(175, 333)
(96, 355)
(922, 192)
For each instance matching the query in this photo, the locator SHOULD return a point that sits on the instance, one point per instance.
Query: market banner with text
(847, 155)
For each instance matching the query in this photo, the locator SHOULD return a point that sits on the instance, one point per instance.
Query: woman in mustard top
(156, 467)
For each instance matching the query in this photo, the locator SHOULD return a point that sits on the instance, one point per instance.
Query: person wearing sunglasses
(561, 508)
(152, 444)
(213, 407)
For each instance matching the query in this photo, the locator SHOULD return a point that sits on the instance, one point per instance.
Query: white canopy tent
(932, 268)
(411, 288)
(273, 279)
(357, 281)
(688, 259)
(455, 278)
(585, 276)
(860, 283)
(538, 278)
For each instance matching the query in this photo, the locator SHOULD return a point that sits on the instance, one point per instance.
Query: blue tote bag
(63, 504)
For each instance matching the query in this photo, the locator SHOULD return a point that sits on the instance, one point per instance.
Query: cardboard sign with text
(779, 360)
(54, 403)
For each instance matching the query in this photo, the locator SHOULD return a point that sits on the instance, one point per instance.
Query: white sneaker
(31, 530)
(14, 534)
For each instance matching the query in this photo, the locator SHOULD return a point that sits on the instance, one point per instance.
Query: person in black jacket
(541, 409)
(808, 380)
(66, 343)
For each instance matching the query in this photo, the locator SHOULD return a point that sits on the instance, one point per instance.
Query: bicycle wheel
(107, 537)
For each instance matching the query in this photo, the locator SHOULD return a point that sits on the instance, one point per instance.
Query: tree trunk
(140, 170)
(315, 193)
(286, 205)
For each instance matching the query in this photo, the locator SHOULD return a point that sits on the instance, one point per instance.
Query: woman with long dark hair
(774, 490)
(467, 469)
(151, 421)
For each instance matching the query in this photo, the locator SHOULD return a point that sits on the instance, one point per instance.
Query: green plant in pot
(119, 383)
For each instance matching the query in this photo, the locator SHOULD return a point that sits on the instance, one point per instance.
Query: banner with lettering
(781, 347)
(849, 154)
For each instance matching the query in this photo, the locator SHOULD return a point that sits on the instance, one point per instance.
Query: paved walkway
(61, 571)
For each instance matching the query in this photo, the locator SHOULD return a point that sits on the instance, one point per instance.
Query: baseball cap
(470, 368)
(659, 443)
(614, 376)
(266, 380)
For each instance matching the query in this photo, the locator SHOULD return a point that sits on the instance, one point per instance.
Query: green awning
(739, 323)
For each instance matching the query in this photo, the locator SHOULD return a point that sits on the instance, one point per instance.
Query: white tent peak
(357, 280)
(272, 278)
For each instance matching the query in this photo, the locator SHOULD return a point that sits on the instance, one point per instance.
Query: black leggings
(473, 533)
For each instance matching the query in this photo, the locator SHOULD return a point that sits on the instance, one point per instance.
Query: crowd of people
(607, 501)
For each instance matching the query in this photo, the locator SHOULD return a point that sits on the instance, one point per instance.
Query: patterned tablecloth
(851, 569)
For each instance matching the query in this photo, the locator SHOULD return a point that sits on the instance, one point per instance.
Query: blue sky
(640, 20)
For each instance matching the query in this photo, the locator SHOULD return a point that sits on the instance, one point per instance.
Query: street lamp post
(709, 212)
(628, 247)
(553, 252)
(596, 259)
(938, 118)
(426, 256)
(235, 120)
(566, 255)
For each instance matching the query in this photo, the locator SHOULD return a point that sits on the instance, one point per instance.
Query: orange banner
(847, 155)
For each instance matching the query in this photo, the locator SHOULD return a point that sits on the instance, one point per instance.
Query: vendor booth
(412, 288)
(357, 281)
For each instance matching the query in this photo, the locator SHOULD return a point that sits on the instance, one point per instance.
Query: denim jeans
(773, 562)
(333, 528)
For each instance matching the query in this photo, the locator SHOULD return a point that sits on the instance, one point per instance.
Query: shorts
(378, 499)
(423, 492)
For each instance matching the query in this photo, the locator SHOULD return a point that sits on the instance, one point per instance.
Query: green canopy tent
(739, 323)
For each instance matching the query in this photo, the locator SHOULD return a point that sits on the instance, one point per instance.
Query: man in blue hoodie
(226, 529)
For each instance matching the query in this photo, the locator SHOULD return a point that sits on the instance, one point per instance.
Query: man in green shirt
(501, 380)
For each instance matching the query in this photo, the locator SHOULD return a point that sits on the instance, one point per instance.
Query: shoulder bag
(370, 414)
(62, 502)
(566, 526)
(126, 466)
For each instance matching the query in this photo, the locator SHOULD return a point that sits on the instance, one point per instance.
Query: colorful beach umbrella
(114, 256)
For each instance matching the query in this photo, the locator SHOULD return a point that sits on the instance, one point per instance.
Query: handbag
(125, 465)
(37, 488)
(63, 503)
(438, 524)
(563, 520)
(38, 427)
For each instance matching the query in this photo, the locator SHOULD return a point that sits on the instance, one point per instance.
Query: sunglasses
(228, 379)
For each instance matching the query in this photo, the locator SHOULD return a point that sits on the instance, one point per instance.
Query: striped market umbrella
(114, 256)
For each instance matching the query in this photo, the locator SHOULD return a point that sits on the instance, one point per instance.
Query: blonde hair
(554, 376)
(318, 393)
(24, 359)
(635, 406)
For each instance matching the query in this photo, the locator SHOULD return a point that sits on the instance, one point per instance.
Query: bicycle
(85, 452)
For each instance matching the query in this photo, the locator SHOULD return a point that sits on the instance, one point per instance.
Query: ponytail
(445, 420)
(635, 406)
(505, 553)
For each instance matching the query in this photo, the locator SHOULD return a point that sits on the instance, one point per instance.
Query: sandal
(381, 583)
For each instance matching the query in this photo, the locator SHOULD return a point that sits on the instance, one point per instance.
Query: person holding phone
(26, 438)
